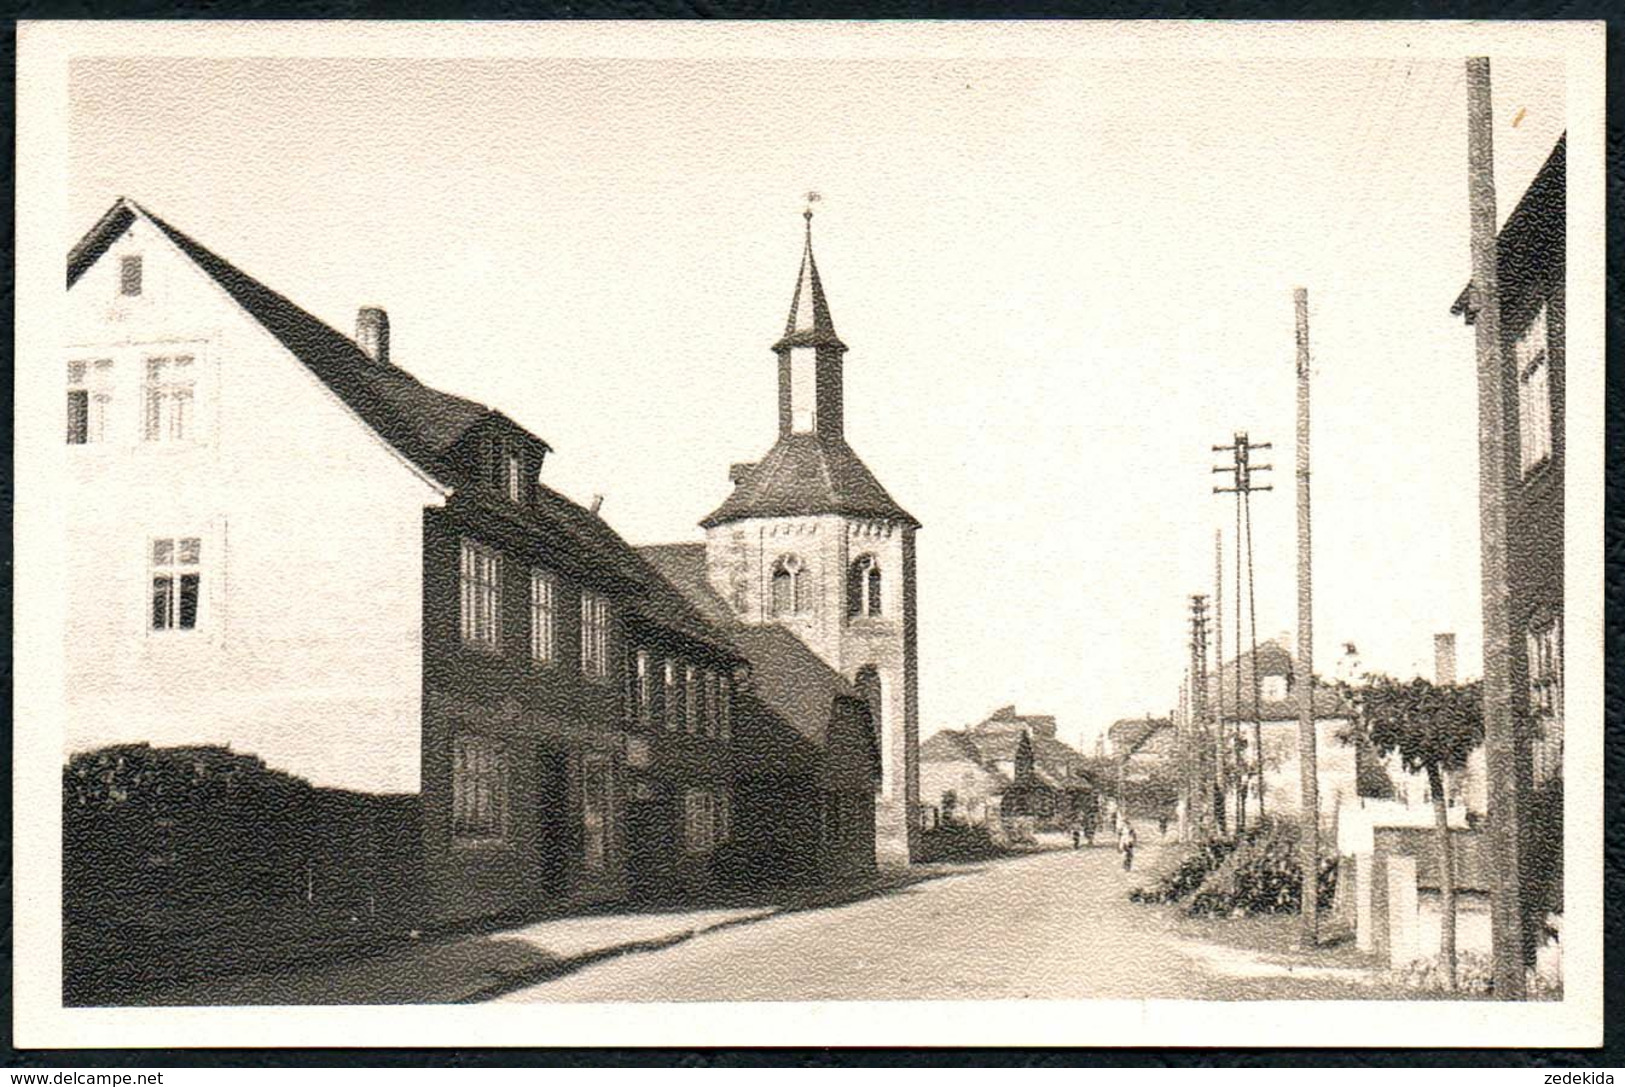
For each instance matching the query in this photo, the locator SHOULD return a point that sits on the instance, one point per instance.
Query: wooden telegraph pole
(1222, 751)
(1309, 781)
(1241, 469)
(1197, 784)
(1500, 742)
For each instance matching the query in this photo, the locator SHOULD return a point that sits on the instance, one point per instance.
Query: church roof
(804, 475)
(810, 324)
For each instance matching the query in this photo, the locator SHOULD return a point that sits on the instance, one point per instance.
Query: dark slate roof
(789, 678)
(1131, 734)
(1535, 227)
(1272, 659)
(810, 324)
(1054, 762)
(1006, 717)
(421, 423)
(683, 565)
(949, 745)
(805, 475)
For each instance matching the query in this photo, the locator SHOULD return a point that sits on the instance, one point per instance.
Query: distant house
(1006, 766)
(1149, 744)
(1337, 761)
(1144, 764)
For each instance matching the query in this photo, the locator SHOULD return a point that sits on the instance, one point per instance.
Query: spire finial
(812, 198)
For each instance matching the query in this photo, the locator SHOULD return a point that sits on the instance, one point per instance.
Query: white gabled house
(247, 544)
(284, 546)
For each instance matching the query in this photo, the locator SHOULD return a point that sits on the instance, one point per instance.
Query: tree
(1433, 729)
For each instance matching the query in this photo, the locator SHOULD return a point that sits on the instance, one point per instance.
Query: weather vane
(812, 198)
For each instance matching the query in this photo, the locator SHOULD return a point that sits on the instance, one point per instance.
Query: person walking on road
(1125, 844)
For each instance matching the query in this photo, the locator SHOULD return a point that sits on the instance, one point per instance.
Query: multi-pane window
(597, 812)
(711, 709)
(725, 696)
(480, 585)
(176, 571)
(792, 592)
(1545, 648)
(505, 460)
(691, 698)
(90, 400)
(672, 710)
(542, 591)
(513, 475)
(169, 398)
(594, 635)
(129, 276)
(863, 588)
(479, 788)
(1534, 394)
(699, 821)
(645, 689)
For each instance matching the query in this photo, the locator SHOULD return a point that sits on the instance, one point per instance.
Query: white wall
(1334, 766)
(308, 646)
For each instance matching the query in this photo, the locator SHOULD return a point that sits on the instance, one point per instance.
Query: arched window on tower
(791, 593)
(863, 588)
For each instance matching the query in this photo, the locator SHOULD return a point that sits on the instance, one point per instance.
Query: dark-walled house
(1530, 269)
(295, 562)
(806, 755)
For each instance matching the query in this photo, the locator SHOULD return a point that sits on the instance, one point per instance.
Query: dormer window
(129, 276)
(507, 470)
(513, 475)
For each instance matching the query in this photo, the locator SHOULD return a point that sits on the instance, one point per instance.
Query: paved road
(1051, 926)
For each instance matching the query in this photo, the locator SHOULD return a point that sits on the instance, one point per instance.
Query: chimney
(372, 333)
(597, 502)
(1444, 659)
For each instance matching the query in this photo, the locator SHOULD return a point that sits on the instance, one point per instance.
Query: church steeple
(809, 356)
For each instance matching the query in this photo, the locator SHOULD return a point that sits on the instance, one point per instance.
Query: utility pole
(1500, 741)
(1309, 780)
(1196, 778)
(1242, 470)
(1221, 741)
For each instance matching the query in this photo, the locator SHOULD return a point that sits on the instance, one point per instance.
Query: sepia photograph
(747, 534)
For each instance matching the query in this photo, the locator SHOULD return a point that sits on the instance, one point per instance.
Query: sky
(1061, 283)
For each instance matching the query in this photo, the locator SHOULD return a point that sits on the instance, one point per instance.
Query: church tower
(811, 541)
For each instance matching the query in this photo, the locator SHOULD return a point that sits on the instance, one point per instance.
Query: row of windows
(1544, 645)
(793, 592)
(480, 611)
(480, 806)
(168, 394)
(681, 696)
